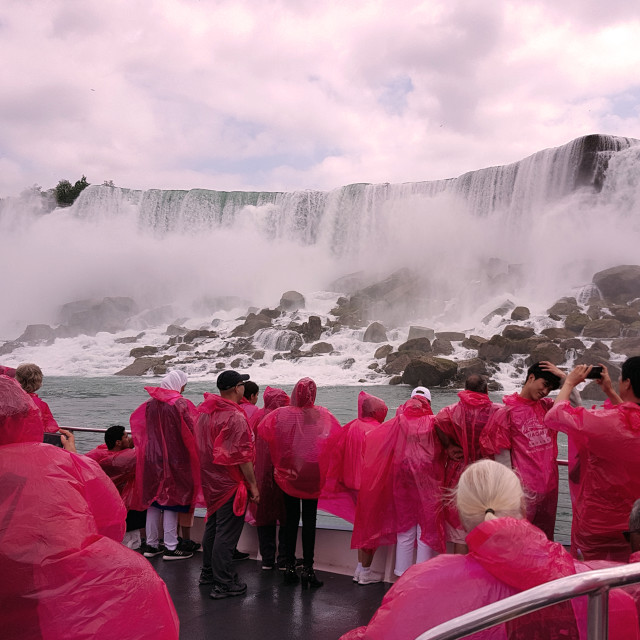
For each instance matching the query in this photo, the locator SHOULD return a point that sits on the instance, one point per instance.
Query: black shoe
(291, 575)
(189, 545)
(268, 565)
(240, 555)
(177, 554)
(151, 552)
(206, 577)
(308, 578)
(228, 591)
(282, 564)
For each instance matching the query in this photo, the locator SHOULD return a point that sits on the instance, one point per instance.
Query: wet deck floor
(270, 609)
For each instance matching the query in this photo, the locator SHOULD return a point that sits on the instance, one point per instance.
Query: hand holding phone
(595, 373)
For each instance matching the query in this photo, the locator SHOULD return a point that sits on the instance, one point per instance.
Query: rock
(312, 329)
(474, 366)
(321, 347)
(516, 332)
(160, 370)
(349, 283)
(397, 362)
(383, 351)
(620, 283)
(91, 316)
(9, 347)
(375, 333)
(140, 366)
(252, 324)
(593, 391)
(416, 344)
(220, 366)
(520, 313)
(374, 366)
(183, 347)
(283, 340)
(36, 333)
(632, 330)
(497, 349)
(564, 307)
(292, 301)
(596, 309)
(420, 332)
(257, 355)
(129, 339)
(599, 348)
(395, 380)
(176, 330)
(558, 333)
(604, 328)
(348, 363)
(237, 363)
(270, 313)
(546, 351)
(502, 311)
(473, 342)
(451, 336)
(429, 372)
(442, 347)
(576, 321)
(140, 352)
(625, 314)
(572, 343)
(626, 346)
(194, 334)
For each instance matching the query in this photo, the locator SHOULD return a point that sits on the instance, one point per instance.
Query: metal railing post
(598, 628)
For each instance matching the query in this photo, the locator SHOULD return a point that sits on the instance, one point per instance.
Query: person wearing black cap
(227, 451)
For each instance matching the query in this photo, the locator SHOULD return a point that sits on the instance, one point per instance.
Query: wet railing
(594, 584)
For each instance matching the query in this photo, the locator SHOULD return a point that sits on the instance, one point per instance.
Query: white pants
(157, 520)
(405, 544)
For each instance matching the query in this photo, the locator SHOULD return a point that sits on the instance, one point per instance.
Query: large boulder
(626, 346)
(397, 362)
(292, 301)
(474, 342)
(140, 352)
(141, 366)
(429, 372)
(416, 344)
(312, 329)
(442, 347)
(625, 314)
(91, 316)
(383, 351)
(516, 332)
(603, 328)
(375, 333)
(558, 333)
(563, 307)
(520, 313)
(321, 347)
(451, 336)
(474, 366)
(253, 322)
(497, 349)
(421, 332)
(195, 334)
(37, 333)
(619, 284)
(577, 321)
(501, 311)
(547, 351)
(632, 330)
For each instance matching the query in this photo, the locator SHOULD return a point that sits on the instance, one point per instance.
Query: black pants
(267, 542)
(221, 535)
(309, 513)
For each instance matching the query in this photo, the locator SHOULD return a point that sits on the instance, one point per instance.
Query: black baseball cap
(229, 379)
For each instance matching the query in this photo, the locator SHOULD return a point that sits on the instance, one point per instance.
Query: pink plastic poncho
(270, 509)
(300, 438)
(249, 408)
(49, 422)
(167, 460)
(10, 372)
(519, 426)
(65, 573)
(610, 481)
(401, 481)
(120, 466)
(463, 423)
(225, 441)
(340, 492)
(506, 557)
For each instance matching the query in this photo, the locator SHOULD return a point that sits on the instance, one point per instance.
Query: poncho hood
(416, 407)
(473, 398)
(275, 398)
(304, 394)
(163, 395)
(370, 407)
(20, 419)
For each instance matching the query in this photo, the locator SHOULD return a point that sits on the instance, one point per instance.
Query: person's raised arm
(605, 384)
(572, 380)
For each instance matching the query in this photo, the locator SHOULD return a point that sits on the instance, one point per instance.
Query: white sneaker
(370, 577)
(356, 575)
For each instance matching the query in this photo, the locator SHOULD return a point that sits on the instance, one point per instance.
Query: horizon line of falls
(530, 231)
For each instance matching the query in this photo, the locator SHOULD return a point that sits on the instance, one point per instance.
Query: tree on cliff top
(65, 193)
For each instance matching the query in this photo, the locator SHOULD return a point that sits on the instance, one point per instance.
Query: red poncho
(167, 460)
(340, 493)
(402, 477)
(270, 509)
(225, 441)
(519, 426)
(120, 466)
(249, 408)
(506, 556)
(610, 482)
(463, 423)
(300, 438)
(49, 422)
(65, 573)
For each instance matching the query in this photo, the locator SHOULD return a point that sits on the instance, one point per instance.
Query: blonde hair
(488, 490)
(29, 376)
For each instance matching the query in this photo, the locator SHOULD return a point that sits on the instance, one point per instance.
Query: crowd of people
(478, 480)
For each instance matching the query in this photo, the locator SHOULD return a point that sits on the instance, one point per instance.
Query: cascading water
(531, 231)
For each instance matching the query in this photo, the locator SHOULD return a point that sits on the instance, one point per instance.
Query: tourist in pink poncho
(610, 480)
(400, 493)
(340, 493)
(270, 510)
(64, 572)
(459, 427)
(30, 378)
(300, 439)
(507, 555)
(249, 402)
(517, 435)
(168, 475)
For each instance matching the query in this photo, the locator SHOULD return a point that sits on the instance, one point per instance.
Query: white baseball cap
(422, 391)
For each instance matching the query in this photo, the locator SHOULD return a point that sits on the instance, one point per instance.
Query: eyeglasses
(240, 384)
(627, 534)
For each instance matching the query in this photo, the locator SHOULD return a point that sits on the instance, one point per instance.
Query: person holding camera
(610, 482)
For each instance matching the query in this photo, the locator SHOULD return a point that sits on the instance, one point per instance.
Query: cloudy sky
(297, 94)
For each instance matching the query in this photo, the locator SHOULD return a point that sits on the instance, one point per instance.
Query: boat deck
(270, 609)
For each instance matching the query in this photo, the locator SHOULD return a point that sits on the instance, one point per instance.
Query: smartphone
(595, 373)
(53, 438)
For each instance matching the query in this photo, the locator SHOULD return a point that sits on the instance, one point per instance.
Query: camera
(595, 373)
(53, 438)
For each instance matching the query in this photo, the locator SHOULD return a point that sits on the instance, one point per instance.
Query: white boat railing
(594, 584)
